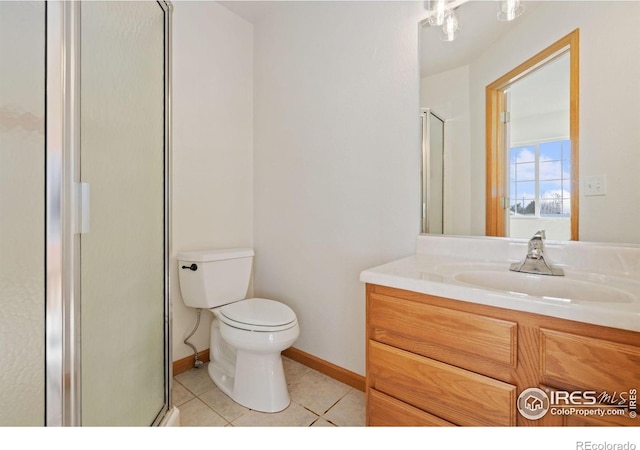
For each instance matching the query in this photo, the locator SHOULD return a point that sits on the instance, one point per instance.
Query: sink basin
(558, 288)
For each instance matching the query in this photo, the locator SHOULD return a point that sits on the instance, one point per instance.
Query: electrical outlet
(595, 185)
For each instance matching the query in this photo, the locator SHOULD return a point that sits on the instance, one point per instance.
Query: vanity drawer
(432, 331)
(385, 411)
(451, 393)
(588, 363)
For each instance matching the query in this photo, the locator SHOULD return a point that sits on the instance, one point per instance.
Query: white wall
(212, 144)
(335, 181)
(337, 164)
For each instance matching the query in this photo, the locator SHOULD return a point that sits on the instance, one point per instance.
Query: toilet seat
(258, 314)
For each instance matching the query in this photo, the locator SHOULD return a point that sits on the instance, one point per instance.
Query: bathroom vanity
(454, 337)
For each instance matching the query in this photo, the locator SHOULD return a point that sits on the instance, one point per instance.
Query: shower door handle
(83, 208)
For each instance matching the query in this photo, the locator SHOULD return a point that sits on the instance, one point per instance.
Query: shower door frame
(63, 387)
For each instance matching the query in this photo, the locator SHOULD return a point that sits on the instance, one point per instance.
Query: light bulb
(509, 9)
(450, 26)
(438, 10)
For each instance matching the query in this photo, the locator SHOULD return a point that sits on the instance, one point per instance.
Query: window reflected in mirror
(453, 80)
(532, 142)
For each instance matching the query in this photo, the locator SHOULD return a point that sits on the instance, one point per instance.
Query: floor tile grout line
(337, 401)
(194, 382)
(213, 410)
(318, 416)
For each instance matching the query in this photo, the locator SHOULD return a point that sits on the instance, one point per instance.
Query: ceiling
(479, 28)
(254, 11)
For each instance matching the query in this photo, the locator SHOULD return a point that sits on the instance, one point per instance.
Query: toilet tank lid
(215, 255)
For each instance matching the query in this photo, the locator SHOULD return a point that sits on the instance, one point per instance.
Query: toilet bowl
(247, 335)
(254, 377)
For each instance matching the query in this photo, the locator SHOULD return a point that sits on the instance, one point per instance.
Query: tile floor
(316, 401)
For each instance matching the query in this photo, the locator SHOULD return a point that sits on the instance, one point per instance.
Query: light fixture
(442, 13)
(450, 26)
(509, 9)
(437, 11)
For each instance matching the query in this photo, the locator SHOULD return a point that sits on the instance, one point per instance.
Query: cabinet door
(456, 337)
(575, 363)
(588, 363)
(385, 411)
(597, 421)
(453, 394)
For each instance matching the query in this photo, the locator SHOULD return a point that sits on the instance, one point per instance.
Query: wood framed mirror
(503, 162)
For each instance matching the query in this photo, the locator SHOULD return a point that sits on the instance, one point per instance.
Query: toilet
(247, 335)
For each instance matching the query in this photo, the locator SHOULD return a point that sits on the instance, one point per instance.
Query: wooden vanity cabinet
(433, 361)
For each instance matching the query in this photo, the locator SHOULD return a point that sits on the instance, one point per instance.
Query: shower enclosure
(84, 210)
(432, 173)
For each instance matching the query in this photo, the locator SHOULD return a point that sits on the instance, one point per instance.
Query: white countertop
(439, 260)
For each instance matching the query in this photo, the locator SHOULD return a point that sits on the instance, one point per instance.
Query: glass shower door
(22, 219)
(122, 160)
(432, 173)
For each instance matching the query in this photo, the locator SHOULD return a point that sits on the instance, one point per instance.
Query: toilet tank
(211, 278)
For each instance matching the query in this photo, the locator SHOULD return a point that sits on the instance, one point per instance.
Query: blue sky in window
(554, 172)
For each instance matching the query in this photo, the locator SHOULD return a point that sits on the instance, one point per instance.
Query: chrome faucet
(535, 261)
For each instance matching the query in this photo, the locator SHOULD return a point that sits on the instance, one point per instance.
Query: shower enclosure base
(171, 418)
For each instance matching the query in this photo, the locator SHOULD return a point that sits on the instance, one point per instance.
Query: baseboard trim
(184, 364)
(336, 372)
(331, 370)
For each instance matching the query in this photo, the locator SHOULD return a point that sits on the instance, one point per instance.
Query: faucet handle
(535, 260)
(540, 234)
(536, 246)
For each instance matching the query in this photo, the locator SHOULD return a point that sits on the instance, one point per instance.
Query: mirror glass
(454, 76)
(432, 172)
(539, 156)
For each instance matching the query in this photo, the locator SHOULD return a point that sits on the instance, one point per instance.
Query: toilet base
(262, 387)
(253, 379)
